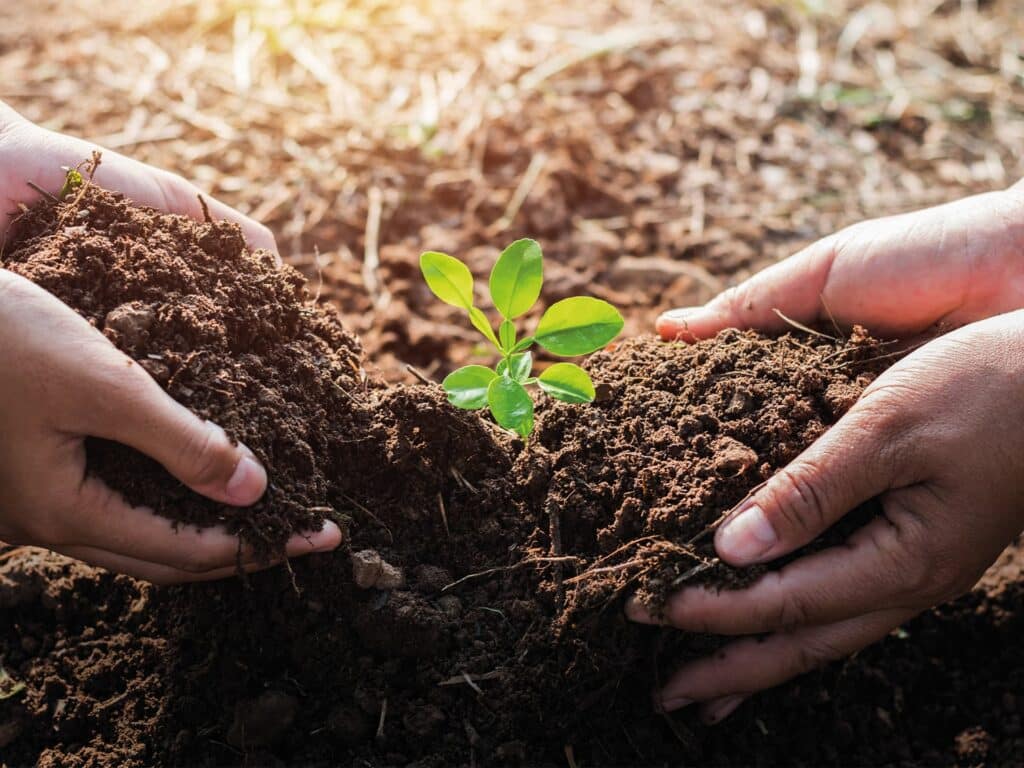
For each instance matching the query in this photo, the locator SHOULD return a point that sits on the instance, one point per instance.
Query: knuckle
(786, 609)
(812, 654)
(886, 414)
(904, 552)
(791, 611)
(883, 407)
(177, 191)
(737, 300)
(203, 456)
(797, 503)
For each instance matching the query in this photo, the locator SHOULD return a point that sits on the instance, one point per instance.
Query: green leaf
(72, 181)
(449, 279)
(511, 405)
(507, 332)
(578, 326)
(520, 369)
(480, 322)
(567, 382)
(9, 687)
(517, 277)
(467, 387)
(523, 345)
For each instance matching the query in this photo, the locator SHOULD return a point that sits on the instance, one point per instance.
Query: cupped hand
(938, 439)
(898, 276)
(29, 153)
(61, 381)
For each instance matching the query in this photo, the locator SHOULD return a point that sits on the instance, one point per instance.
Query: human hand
(954, 263)
(30, 153)
(938, 439)
(61, 380)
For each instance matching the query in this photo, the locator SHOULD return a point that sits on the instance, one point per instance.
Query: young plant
(570, 327)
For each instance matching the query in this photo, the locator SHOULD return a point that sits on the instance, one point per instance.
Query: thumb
(848, 465)
(39, 154)
(794, 286)
(91, 388)
(197, 452)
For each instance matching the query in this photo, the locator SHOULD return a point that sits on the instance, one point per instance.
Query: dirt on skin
(473, 614)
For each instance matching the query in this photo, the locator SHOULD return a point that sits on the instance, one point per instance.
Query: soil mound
(473, 613)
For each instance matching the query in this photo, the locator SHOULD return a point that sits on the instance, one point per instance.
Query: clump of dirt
(680, 435)
(474, 611)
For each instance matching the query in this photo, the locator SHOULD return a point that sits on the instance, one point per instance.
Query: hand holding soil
(935, 438)
(29, 152)
(62, 381)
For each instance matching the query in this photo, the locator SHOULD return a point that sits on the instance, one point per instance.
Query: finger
(876, 566)
(717, 710)
(746, 666)
(852, 462)
(794, 286)
(107, 394)
(37, 155)
(129, 407)
(102, 520)
(155, 573)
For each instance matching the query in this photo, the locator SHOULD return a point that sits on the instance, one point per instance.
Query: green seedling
(72, 182)
(569, 328)
(9, 688)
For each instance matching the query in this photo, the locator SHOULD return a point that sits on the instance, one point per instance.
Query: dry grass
(659, 150)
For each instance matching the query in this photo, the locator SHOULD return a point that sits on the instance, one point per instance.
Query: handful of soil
(224, 330)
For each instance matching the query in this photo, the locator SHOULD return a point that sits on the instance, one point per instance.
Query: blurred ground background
(660, 151)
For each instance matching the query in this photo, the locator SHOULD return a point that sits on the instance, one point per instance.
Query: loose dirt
(474, 612)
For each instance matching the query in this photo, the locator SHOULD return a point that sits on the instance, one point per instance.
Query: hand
(939, 438)
(61, 380)
(897, 276)
(31, 153)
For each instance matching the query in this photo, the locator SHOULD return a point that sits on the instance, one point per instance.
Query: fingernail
(671, 705)
(746, 537)
(680, 314)
(327, 538)
(247, 483)
(635, 611)
(716, 711)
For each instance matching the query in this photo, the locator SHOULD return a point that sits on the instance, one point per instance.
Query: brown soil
(474, 612)
(670, 167)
